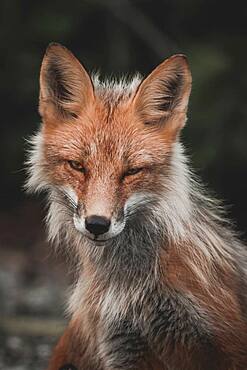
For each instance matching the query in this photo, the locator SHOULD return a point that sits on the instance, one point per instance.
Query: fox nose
(97, 225)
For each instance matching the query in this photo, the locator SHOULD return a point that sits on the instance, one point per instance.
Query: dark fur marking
(124, 346)
(173, 319)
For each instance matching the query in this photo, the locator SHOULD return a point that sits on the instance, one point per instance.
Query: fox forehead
(98, 134)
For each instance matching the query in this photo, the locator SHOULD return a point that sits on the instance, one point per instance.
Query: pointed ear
(65, 86)
(163, 96)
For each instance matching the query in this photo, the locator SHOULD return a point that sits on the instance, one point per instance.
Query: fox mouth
(99, 242)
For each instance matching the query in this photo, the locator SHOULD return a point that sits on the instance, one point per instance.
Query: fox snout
(102, 225)
(99, 228)
(98, 222)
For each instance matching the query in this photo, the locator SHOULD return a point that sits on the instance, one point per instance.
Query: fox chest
(136, 333)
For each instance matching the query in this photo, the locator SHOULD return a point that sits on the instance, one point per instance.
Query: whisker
(68, 198)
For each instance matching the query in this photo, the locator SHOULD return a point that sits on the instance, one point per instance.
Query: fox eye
(132, 171)
(77, 166)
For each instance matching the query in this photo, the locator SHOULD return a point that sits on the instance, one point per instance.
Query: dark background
(114, 37)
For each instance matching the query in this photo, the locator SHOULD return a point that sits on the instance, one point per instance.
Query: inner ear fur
(65, 86)
(163, 96)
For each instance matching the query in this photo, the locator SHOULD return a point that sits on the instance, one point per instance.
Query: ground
(33, 289)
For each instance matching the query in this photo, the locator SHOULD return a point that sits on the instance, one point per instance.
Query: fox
(160, 273)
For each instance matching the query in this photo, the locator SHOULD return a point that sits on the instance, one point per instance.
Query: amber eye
(132, 172)
(77, 166)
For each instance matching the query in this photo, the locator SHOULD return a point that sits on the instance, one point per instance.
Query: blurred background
(114, 37)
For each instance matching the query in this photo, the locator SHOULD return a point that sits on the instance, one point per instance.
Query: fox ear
(163, 96)
(65, 86)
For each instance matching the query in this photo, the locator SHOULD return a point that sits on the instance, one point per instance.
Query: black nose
(97, 225)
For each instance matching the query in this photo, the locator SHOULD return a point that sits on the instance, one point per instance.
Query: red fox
(161, 277)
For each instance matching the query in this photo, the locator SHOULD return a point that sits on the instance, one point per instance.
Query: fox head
(104, 150)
